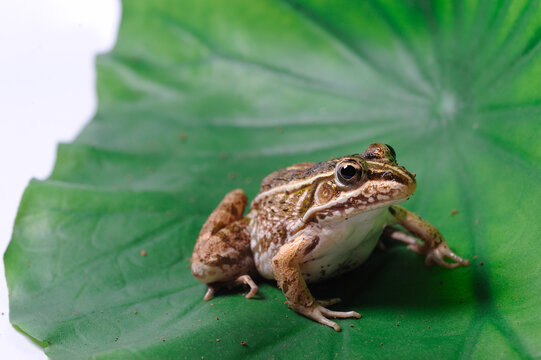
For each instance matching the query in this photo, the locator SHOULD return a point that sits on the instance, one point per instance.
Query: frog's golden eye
(348, 172)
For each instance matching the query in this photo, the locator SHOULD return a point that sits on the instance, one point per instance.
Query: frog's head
(361, 183)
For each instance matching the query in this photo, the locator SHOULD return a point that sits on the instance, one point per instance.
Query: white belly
(342, 246)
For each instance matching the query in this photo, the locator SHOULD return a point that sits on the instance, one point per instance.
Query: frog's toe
(317, 315)
(210, 292)
(339, 314)
(442, 252)
(247, 279)
(323, 320)
(321, 315)
(418, 248)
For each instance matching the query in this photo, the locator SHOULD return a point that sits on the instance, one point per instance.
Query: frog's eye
(393, 153)
(380, 152)
(348, 172)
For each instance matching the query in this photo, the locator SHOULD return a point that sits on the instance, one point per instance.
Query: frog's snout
(411, 184)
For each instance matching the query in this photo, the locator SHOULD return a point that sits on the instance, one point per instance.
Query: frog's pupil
(348, 172)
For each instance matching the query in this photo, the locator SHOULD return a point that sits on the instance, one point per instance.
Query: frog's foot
(246, 279)
(241, 280)
(211, 289)
(319, 313)
(434, 255)
(438, 255)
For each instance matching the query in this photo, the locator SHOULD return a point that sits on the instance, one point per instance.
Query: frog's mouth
(372, 195)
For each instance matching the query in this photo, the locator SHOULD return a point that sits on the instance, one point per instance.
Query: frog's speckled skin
(312, 221)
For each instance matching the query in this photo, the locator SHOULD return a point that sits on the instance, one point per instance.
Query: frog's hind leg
(222, 254)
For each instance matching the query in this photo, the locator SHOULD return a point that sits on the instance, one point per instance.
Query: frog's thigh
(228, 211)
(216, 237)
(225, 256)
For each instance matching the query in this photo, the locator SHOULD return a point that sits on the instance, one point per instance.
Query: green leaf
(201, 97)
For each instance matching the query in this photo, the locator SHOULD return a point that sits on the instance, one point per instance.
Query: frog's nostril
(388, 175)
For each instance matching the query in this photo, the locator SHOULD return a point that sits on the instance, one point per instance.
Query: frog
(311, 222)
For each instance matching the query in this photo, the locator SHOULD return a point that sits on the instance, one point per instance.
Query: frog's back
(284, 176)
(298, 173)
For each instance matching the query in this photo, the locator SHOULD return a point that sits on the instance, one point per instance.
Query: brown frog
(313, 221)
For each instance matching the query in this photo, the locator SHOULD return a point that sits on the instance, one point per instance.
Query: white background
(47, 94)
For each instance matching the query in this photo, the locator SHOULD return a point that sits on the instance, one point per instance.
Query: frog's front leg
(286, 267)
(434, 246)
